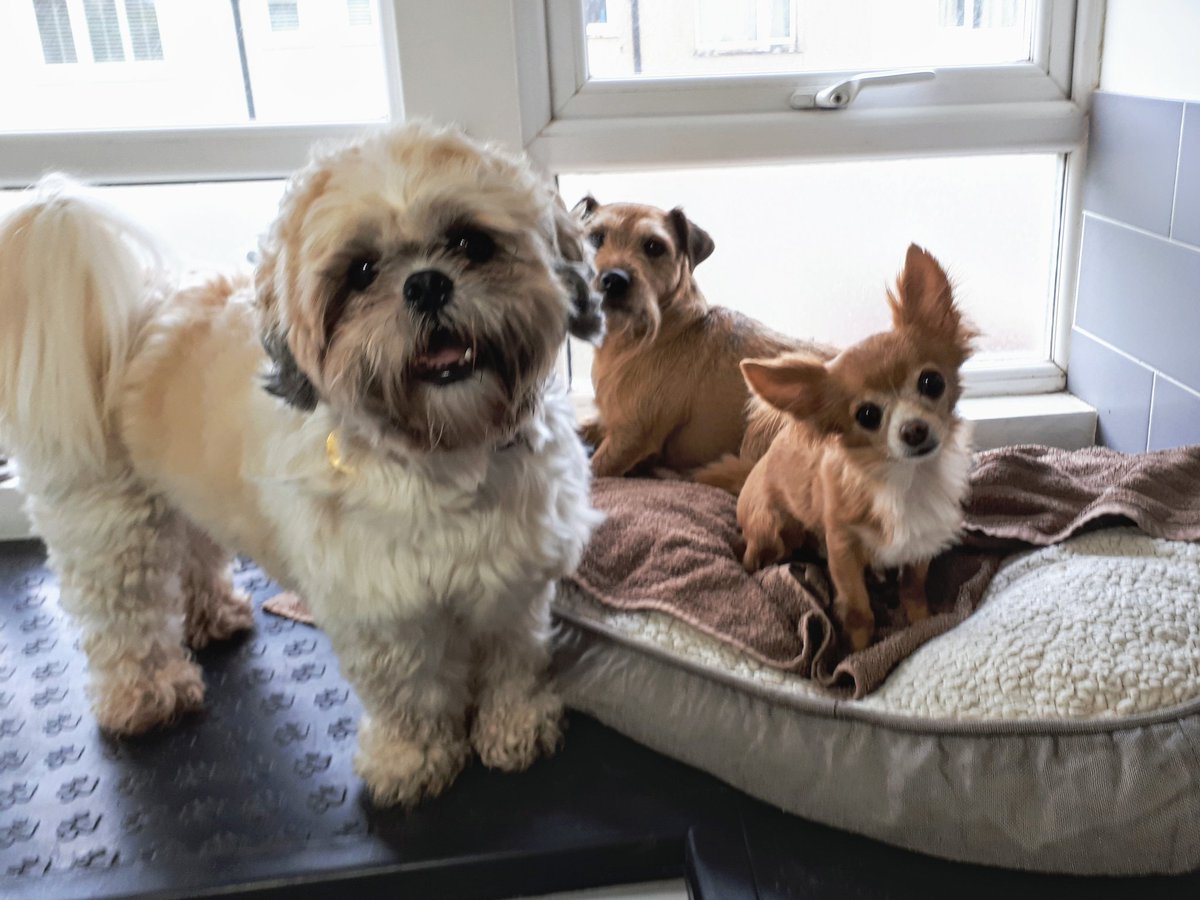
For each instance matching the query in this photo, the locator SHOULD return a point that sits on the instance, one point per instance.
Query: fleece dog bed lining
(1055, 729)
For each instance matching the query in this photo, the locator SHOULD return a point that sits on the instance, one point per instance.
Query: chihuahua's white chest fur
(921, 504)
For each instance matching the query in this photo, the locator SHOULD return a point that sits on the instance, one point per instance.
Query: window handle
(840, 95)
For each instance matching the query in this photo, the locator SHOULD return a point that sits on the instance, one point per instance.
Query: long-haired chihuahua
(872, 460)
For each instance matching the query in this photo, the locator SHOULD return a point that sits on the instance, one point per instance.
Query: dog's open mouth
(448, 357)
(924, 450)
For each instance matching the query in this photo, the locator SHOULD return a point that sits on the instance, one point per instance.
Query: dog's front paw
(403, 770)
(858, 628)
(216, 617)
(511, 731)
(139, 701)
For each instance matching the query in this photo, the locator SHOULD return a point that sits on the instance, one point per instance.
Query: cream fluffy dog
(375, 420)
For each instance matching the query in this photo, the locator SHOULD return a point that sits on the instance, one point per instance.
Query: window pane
(104, 30)
(222, 63)
(143, 29)
(208, 226)
(54, 30)
(724, 37)
(809, 249)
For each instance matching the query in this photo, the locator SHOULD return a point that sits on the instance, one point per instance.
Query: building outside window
(285, 15)
(359, 12)
(121, 64)
(54, 29)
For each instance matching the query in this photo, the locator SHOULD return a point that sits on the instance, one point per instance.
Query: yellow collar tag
(334, 454)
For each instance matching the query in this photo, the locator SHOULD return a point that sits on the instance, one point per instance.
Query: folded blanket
(675, 548)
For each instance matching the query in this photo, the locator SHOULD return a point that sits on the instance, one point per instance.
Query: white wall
(1152, 48)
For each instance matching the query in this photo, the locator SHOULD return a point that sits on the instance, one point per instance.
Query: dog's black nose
(914, 432)
(615, 283)
(428, 290)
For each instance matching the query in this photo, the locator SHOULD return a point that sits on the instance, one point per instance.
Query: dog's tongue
(440, 359)
(444, 351)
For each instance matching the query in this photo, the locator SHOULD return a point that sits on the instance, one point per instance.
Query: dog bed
(1055, 728)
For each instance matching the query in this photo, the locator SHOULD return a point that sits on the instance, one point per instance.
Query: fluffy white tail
(74, 278)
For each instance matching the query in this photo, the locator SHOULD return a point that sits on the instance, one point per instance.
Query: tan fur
(198, 372)
(867, 495)
(667, 383)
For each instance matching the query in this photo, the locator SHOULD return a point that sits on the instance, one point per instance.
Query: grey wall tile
(1119, 388)
(1187, 189)
(1142, 294)
(1174, 416)
(1132, 153)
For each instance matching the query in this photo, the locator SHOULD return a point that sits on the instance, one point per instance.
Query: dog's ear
(284, 379)
(796, 384)
(923, 302)
(695, 240)
(576, 271)
(585, 208)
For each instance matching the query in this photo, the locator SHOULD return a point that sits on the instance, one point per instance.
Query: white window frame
(1038, 106)
(1046, 77)
(171, 155)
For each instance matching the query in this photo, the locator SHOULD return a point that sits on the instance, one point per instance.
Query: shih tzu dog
(375, 418)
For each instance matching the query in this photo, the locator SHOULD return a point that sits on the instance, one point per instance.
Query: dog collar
(333, 452)
(337, 462)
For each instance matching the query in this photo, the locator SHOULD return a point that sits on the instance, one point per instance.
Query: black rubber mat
(260, 788)
(257, 796)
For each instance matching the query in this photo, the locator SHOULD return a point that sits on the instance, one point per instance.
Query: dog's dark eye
(931, 384)
(477, 246)
(654, 247)
(362, 273)
(596, 238)
(869, 416)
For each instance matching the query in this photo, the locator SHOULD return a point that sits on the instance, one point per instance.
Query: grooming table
(257, 795)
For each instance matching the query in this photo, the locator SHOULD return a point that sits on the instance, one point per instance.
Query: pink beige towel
(674, 547)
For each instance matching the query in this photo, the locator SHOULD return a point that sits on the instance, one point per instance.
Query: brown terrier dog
(668, 387)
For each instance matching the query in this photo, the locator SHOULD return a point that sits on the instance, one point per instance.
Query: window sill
(1054, 420)
(1057, 420)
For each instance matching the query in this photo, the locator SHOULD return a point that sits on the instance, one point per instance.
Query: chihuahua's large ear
(576, 271)
(585, 208)
(924, 302)
(692, 237)
(795, 384)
